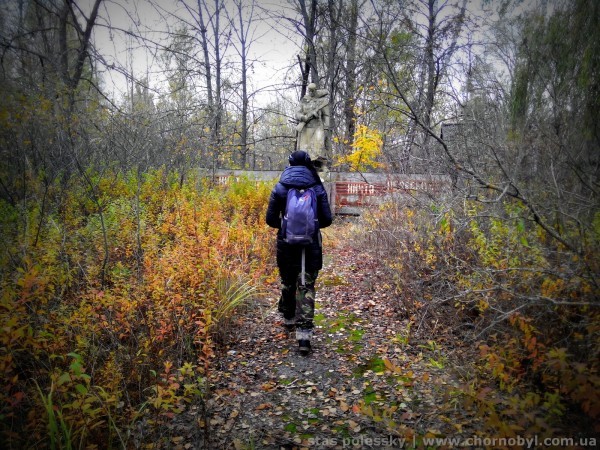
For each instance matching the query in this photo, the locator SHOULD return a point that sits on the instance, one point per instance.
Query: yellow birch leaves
(366, 150)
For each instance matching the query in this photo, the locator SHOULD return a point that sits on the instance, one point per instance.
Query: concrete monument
(313, 116)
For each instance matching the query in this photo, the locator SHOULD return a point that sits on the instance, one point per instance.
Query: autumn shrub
(492, 278)
(115, 297)
(417, 245)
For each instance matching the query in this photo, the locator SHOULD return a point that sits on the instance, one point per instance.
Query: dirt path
(365, 385)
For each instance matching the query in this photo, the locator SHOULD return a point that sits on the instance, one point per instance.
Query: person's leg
(305, 310)
(305, 301)
(287, 301)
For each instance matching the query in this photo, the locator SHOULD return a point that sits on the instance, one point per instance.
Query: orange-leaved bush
(528, 305)
(117, 310)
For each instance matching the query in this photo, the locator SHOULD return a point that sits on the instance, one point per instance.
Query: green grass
(375, 364)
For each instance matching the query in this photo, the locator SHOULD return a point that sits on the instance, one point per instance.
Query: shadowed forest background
(125, 270)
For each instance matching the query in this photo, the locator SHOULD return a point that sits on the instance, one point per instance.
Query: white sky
(273, 51)
(274, 48)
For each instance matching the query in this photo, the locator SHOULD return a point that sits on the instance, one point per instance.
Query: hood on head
(297, 177)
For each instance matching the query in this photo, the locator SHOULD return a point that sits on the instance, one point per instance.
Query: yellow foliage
(541, 349)
(175, 279)
(366, 149)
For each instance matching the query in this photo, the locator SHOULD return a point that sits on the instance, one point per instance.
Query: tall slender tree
(350, 74)
(309, 67)
(243, 29)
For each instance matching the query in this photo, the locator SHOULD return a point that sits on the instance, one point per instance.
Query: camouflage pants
(298, 301)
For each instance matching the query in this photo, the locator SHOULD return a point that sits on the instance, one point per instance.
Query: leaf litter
(365, 382)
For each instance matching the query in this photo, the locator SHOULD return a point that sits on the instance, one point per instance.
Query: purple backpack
(300, 220)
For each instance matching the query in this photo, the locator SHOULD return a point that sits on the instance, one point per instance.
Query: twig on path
(288, 386)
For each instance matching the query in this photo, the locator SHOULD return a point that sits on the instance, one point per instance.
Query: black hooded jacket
(289, 256)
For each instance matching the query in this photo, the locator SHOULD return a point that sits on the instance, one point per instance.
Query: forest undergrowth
(386, 371)
(144, 317)
(114, 303)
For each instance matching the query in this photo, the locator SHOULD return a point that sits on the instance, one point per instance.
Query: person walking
(297, 301)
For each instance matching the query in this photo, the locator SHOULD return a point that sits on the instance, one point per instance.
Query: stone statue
(313, 120)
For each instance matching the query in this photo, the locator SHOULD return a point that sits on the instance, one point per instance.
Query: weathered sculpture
(313, 120)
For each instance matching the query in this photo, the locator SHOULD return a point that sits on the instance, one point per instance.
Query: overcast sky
(274, 47)
(273, 51)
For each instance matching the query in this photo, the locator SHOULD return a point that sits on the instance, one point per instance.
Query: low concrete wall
(351, 192)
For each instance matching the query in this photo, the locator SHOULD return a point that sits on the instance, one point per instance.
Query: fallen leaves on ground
(365, 381)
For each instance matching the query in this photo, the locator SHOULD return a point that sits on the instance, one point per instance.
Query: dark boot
(303, 336)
